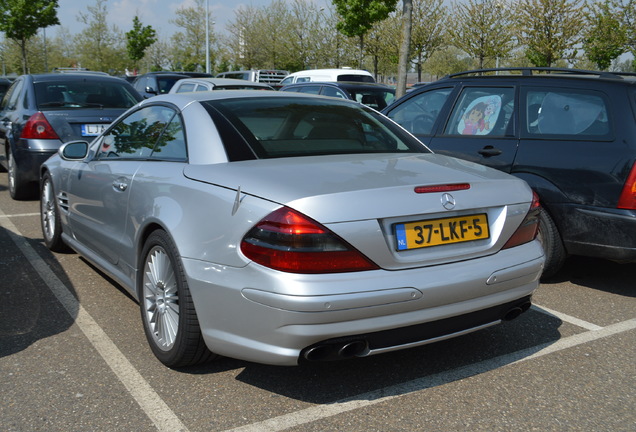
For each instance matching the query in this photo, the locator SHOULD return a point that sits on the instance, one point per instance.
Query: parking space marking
(155, 408)
(2, 215)
(319, 412)
(566, 318)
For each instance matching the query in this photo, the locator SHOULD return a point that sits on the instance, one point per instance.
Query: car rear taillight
(627, 199)
(528, 229)
(289, 241)
(38, 127)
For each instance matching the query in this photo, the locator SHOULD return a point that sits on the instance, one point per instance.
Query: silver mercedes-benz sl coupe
(280, 227)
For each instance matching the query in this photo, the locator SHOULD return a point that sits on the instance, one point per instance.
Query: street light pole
(207, 36)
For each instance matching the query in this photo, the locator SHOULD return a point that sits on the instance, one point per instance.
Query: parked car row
(284, 226)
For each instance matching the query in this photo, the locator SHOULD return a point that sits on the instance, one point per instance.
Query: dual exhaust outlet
(350, 348)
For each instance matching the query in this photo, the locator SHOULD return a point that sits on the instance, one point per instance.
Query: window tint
(10, 100)
(185, 88)
(333, 92)
(419, 113)
(311, 89)
(82, 94)
(482, 111)
(566, 112)
(285, 127)
(135, 136)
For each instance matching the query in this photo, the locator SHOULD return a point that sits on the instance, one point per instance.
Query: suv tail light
(289, 241)
(627, 199)
(528, 229)
(38, 127)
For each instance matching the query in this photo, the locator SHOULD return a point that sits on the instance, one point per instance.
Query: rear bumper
(285, 314)
(599, 232)
(31, 154)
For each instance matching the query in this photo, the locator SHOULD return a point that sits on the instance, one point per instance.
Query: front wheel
(167, 311)
(552, 244)
(50, 216)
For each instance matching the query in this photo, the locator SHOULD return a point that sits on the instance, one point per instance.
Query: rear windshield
(83, 94)
(356, 78)
(286, 127)
(374, 98)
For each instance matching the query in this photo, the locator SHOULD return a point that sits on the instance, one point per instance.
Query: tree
(139, 39)
(550, 29)
(190, 43)
(358, 17)
(628, 19)
(20, 20)
(605, 38)
(486, 28)
(429, 30)
(99, 47)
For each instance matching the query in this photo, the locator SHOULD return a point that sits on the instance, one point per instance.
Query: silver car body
(252, 312)
(208, 84)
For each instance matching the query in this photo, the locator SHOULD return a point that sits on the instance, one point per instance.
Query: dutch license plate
(93, 129)
(435, 232)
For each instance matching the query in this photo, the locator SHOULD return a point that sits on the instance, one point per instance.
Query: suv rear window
(566, 112)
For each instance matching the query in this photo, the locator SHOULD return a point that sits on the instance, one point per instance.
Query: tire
(50, 216)
(552, 244)
(18, 188)
(167, 311)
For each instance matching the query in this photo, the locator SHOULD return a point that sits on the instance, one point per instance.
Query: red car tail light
(627, 199)
(528, 229)
(38, 127)
(289, 241)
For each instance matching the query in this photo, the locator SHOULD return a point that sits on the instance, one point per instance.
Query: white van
(330, 75)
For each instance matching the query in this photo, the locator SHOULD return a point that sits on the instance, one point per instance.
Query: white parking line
(319, 412)
(566, 318)
(2, 215)
(165, 419)
(155, 408)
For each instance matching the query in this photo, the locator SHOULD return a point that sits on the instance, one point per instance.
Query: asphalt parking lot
(73, 357)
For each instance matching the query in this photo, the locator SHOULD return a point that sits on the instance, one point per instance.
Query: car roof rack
(527, 71)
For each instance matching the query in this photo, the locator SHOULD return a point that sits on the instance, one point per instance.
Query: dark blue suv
(571, 134)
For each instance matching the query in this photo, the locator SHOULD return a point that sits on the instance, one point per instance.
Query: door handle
(120, 185)
(489, 151)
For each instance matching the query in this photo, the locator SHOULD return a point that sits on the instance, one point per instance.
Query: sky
(156, 13)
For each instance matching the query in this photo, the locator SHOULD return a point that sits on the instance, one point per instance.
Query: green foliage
(485, 28)
(358, 16)
(20, 20)
(139, 39)
(550, 29)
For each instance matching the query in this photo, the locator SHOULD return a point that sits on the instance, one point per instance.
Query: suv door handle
(489, 151)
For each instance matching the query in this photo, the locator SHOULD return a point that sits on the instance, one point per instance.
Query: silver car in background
(279, 228)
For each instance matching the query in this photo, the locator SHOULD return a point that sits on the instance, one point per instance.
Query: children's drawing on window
(481, 115)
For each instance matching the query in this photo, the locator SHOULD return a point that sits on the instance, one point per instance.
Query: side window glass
(171, 143)
(333, 92)
(135, 136)
(482, 111)
(419, 113)
(566, 112)
(11, 99)
(185, 88)
(311, 89)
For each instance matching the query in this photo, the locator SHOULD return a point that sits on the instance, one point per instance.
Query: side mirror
(150, 90)
(74, 150)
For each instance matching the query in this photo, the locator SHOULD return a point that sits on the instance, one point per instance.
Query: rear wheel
(167, 311)
(50, 216)
(552, 244)
(18, 187)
